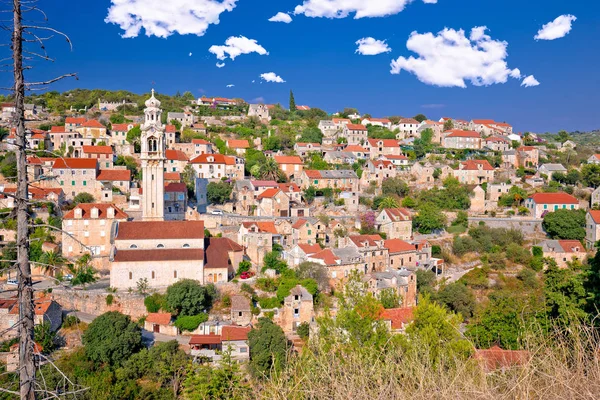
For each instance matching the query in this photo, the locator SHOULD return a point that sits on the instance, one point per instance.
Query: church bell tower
(153, 149)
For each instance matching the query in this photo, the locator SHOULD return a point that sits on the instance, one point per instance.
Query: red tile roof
(93, 123)
(75, 120)
(159, 318)
(356, 127)
(336, 120)
(354, 148)
(151, 230)
(313, 173)
(461, 133)
(571, 246)
(474, 165)
(57, 129)
(408, 121)
(327, 256)
(384, 142)
(398, 316)
(483, 121)
(398, 214)
(288, 160)
(310, 248)
(264, 184)
(303, 144)
(172, 176)
(200, 141)
(216, 253)
(122, 127)
(298, 224)
(495, 358)
(217, 159)
(263, 227)
(398, 246)
(289, 187)
(114, 175)
(75, 163)
(176, 155)
(269, 193)
(41, 306)
(205, 339)
(156, 255)
(595, 214)
(359, 240)
(86, 209)
(382, 163)
(554, 198)
(175, 187)
(238, 144)
(234, 333)
(97, 149)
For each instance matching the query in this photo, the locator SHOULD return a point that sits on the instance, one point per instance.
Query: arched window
(220, 276)
(153, 275)
(133, 246)
(160, 246)
(186, 246)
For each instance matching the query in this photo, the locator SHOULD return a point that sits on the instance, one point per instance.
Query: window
(72, 183)
(186, 246)
(240, 313)
(160, 246)
(153, 275)
(130, 275)
(296, 312)
(84, 183)
(243, 349)
(175, 274)
(133, 246)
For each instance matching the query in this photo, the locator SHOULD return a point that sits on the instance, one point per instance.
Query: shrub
(244, 267)
(154, 303)
(69, 321)
(269, 302)
(109, 299)
(248, 289)
(303, 330)
(266, 284)
(190, 323)
(226, 301)
(476, 278)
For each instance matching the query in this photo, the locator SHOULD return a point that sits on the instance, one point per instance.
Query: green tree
(448, 125)
(112, 338)
(52, 261)
(134, 135)
(429, 219)
(269, 170)
(45, 337)
(315, 271)
(592, 284)
(311, 134)
(268, 349)
(420, 117)
(565, 224)
(155, 302)
(425, 281)
(458, 298)
(389, 298)
(388, 202)
(83, 272)
(591, 175)
(187, 297)
(309, 194)
(272, 260)
(292, 102)
(566, 295)
(562, 136)
(218, 192)
(83, 197)
(394, 186)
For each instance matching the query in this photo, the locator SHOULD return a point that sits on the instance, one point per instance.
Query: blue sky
(317, 58)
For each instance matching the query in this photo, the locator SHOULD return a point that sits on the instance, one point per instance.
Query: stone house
(396, 223)
(238, 145)
(162, 252)
(87, 229)
(93, 129)
(118, 133)
(528, 156)
(339, 157)
(175, 201)
(497, 143)
(423, 173)
(402, 254)
(45, 310)
(377, 171)
(551, 169)
(258, 238)
(259, 111)
(373, 250)
(241, 312)
(474, 172)
(329, 131)
(300, 253)
(459, 139)
(355, 134)
(304, 231)
(495, 191)
(290, 165)
(436, 127)
(592, 229)
(401, 162)
(160, 323)
(382, 147)
(398, 319)
(72, 123)
(359, 152)
(243, 197)
(217, 166)
(184, 118)
(564, 251)
(594, 159)
(340, 263)
(222, 258)
(75, 175)
(595, 198)
(303, 149)
(176, 161)
(403, 282)
(292, 191)
(541, 203)
(297, 309)
(273, 203)
(202, 146)
(104, 155)
(339, 179)
(407, 127)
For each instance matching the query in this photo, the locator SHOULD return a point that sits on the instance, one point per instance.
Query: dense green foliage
(218, 192)
(111, 339)
(565, 224)
(268, 349)
(188, 298)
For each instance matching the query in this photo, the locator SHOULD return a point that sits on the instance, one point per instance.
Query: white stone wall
(125, 275)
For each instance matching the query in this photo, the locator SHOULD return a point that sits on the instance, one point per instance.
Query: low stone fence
(94, 302)
(527, 225)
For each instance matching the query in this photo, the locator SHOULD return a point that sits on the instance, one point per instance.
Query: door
(156, 328)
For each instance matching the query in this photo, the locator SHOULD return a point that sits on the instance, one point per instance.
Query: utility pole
(25, 289)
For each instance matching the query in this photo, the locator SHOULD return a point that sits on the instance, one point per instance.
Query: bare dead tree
(24, 33)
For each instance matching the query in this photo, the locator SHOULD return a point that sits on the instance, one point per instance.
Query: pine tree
(292, 102)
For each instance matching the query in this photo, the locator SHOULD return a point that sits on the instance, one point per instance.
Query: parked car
(246, 275)
(12, 281)
(217, 212)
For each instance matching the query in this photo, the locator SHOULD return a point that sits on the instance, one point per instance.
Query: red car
(247, 275)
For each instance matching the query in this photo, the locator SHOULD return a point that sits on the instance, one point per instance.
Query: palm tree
(269, 170)
(51, 261)
(388, 202)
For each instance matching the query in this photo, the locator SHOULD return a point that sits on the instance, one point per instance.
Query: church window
(131, 275)
(133, 246)
(160, 246)
(153, 275)
(186, 246)
(175, 274)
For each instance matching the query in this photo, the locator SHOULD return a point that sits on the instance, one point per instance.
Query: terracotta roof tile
(398, 246)
(159, 318)
(461, 133)
(75, 120)
(92, 123)
(359, 240)
(172, 176)
(268, 194)
(75, 163)
(175, 187)
(86, 209)
(310, 248)
(149, 230)
(497, 358)
(170, 129)
(205, 339)
(176, 155)
(238, 144)
(263, 227)
(398, 316)
(123, 127)
(157, 255)
(114, 175)
(97, 149)
(216, 159)
(473, 165)
(554, 198)
(595, 214)
(327, 256)
(288, 160)
(356, 127)
(234, 333)
(216, 254)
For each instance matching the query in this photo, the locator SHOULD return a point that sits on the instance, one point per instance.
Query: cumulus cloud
(163, 18)
(190, 54)
(230, 85)
(281, 17)
(449, 58)
(371, 47)
(530, 81)
(360, 8)
(236, 46)
(271, 77)
(220, 65)
(556, 29)
(515, 73)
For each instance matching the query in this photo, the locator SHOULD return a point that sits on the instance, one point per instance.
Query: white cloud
(236, 46)
(449, 58)
(220, 65)
(163, 18)
(272, 77)
(230, 85)
(259, 100)
(190, 54)
(515, 73)
(281, 17)
(371, 47)
(253, 81)
(361, 8)
(530, 81)
(556, 29)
